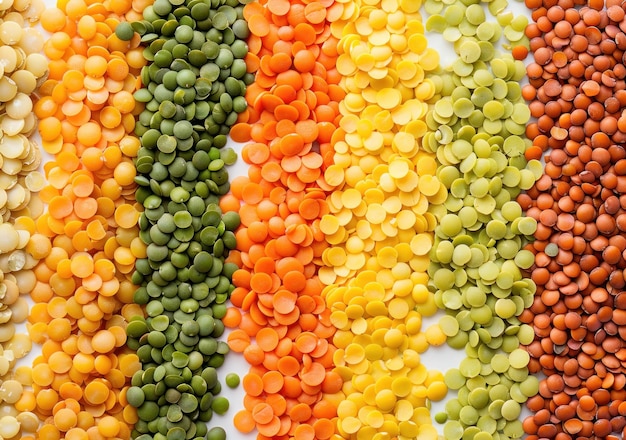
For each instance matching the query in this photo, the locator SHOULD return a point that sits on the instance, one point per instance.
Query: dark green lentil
(193, 90)
(124, 31)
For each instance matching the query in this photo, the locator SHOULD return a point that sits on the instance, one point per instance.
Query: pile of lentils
(194, 85)
(577, 95)
(476, 128)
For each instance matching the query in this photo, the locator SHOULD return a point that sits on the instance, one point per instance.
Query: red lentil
(293, 108)
(576, 83)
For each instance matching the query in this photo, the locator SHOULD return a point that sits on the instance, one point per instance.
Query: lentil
(23, 68)
(476, 129)
(232, 380)
(575, 95)
(378, 229)
(293, 109)
(193, 92)
(83, 291)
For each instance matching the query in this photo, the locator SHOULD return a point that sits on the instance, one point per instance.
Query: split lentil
(379, 229)
(476, 128)
(21, 71)
(83, 292)
(284, 329)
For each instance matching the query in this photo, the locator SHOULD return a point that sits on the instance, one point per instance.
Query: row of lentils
(83, 294)
(577, 95)
(22, 71)
(476, 129)
(283, 324)
(194, 85)
(379, 229)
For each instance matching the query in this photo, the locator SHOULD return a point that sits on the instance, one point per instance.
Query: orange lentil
(83, 125)
(281, 127)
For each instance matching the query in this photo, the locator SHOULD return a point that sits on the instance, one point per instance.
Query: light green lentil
(232, 380)
(511, 410)
(552, 249)
(453, 430)
(441, 417)
(482, 231)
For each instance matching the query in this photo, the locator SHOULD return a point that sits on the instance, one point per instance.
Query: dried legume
(83, 292)
(576, 81)
(193, 91)
(21, 71)
(378, 227)
(476, 128)
(292, 114)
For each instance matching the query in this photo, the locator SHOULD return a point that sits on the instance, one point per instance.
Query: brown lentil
(576, 94)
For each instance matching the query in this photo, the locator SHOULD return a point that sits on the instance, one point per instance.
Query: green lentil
(124, 31)
(476, 127)
(216, 433)
(194, 89)
(220, 405)
(441, 417)
(232, 380)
